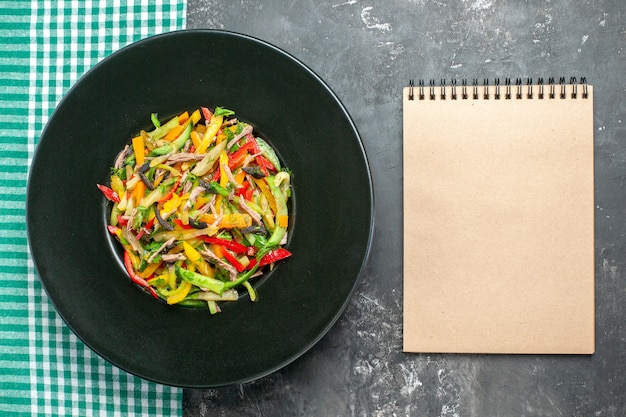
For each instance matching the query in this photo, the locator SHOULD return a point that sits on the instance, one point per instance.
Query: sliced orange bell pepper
(173, 134)
(183, 117)
(283, 221)
(150, 269)
(139, 191)
(139, 150)
(196, 139)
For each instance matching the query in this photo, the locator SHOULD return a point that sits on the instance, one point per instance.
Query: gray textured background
(366, 51)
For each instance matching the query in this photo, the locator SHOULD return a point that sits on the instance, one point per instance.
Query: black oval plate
(330, 234)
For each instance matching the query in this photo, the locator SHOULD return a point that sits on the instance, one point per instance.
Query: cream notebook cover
(498, 218)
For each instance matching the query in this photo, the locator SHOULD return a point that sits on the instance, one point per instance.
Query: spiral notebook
(498, 217)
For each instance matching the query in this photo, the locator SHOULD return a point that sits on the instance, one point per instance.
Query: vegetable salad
(199, 205)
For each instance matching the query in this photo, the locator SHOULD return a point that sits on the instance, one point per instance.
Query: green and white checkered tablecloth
(45, 46)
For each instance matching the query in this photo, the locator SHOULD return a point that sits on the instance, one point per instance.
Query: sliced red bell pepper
(109, 193)
(149, 225)
(233, 261)
(242, 190)
(246, 191)
(180, 223)
(113, 229)
(265, 163)
(216, 174)
(171, 192)
(274, 256)
(136, 278)
(207, 114)
(229, 244)
(236, 158)
(251, 264)
(256, 151)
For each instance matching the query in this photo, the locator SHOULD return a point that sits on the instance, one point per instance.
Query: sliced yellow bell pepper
(211, 132)
(201, 201)
(158, 180)
(223, 168)
(195, 116)
(223, 180)
(192, 254)
(172, 204)
(266, 212)
(183, 234)
(265, 189)
(117, 185)
(156, 279)
(218, 203)
(197, 260)
(183, 216)
(134, 259)
(229, 221)
(180, 293)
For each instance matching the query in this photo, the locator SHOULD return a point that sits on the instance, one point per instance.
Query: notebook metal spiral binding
(554, 90)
